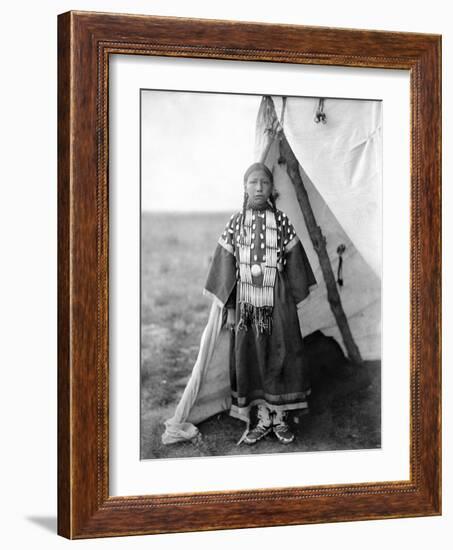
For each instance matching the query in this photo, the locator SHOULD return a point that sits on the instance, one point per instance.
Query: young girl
(260, 273)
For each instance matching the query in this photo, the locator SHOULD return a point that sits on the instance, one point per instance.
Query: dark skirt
(270, 368)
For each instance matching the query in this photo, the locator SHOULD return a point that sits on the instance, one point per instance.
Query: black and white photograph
(261, 264)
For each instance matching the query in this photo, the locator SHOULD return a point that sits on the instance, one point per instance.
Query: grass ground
(176, 251)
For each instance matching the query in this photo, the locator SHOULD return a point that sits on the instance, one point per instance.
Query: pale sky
(195, 149)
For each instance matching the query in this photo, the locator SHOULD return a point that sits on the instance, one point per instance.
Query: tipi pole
(319, 244)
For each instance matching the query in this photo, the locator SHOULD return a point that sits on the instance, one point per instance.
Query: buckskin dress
(267, 271)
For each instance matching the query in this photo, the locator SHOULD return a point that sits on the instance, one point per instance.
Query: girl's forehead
(257, 172)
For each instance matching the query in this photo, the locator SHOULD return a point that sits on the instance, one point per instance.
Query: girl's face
(258, 187)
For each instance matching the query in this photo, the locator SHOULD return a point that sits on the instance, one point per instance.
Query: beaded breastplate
(257, 257)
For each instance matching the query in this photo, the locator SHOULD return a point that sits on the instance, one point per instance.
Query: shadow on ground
(48, 523)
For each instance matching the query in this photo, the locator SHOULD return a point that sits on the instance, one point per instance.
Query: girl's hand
(231, 318)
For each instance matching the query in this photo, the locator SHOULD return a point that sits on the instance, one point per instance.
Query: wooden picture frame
(85, 42)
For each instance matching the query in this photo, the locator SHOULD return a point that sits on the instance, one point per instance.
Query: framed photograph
(249, 241)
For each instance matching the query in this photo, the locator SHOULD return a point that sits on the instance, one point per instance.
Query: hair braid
(244, 207)
(272, 199)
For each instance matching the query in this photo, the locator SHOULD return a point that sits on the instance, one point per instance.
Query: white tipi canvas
(360, 293)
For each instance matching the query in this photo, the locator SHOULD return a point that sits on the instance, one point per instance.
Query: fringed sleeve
(300, 274)
(221, 280)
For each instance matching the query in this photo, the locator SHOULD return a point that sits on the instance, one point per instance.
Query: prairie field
(176, 250)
